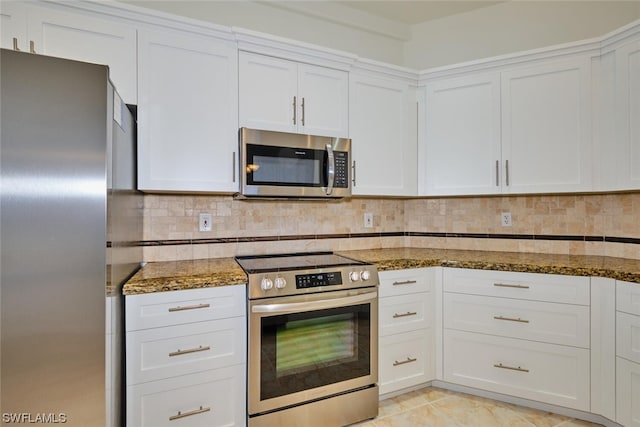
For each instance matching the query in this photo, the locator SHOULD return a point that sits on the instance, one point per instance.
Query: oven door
(307, 347)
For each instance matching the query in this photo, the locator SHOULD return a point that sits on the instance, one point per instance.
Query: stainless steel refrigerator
(70, 221)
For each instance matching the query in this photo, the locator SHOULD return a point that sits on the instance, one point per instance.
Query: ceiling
(415, 11)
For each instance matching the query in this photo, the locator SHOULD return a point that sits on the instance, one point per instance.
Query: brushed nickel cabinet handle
(406, 282)
(511, 368)
(497, 173)
(188, 307)
(511, 319)
(32, 46)
(507, 172)
(188, 414)
(353, 168)
(189, 351)
(407, 314)
(404, 362)
(233, 166)
(294, 110)
(15, 44)
(302, 105)
(506, 285)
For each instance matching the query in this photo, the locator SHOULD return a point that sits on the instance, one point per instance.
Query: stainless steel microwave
(288, 165)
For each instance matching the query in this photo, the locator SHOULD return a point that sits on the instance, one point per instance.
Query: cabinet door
(324, 101)
(13, 25)
(187, 126)
(268, 91)
(87, 38)
(627, 393)
(628, 114)
(546, 128)
(461, 143)
(383, 131)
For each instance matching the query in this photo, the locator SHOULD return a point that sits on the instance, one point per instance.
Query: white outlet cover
(505, 219)
(205, 222)
(368, 220)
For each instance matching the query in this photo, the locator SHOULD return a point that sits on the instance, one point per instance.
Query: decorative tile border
(542, 237)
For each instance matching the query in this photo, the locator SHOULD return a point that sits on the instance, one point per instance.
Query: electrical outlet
(205, 222)
(368, 220)
(505, 219)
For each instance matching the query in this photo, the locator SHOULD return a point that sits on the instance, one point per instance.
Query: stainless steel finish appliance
(69, 214)
(313, 340)
(279, 164)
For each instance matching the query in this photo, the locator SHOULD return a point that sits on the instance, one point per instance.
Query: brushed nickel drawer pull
(511, 319)
(188, 414)
(506, 285)
(191, 350)
(32, 46)
(511, 368)
(15, 44)
(294, 110)
(406, 282)
(403, 362)
(408, 313)
(188, 307)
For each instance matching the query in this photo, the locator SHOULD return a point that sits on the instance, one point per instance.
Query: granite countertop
(205, 273)
(180, 275)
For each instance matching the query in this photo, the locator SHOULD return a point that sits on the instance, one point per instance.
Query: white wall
(286, 23)
(513, 26)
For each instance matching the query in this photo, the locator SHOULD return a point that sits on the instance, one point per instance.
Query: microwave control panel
(342, 170)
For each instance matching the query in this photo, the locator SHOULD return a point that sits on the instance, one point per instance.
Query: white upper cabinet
(383, 131)
(546, 128)
(286, 96)
(74, 35)
(462, 136)
(514, 130)
(628, 114)
(187, 112)
(13, 25)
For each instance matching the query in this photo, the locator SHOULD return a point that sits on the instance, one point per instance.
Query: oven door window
(306, 350)
(284, 166)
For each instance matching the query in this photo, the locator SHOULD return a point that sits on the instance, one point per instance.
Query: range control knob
(365, 275)
(280, 282)
(266, 284)
(354, 276)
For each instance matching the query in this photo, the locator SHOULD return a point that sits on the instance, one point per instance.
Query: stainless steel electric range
(312, 340)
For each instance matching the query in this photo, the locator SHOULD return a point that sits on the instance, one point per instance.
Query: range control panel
(318, 279)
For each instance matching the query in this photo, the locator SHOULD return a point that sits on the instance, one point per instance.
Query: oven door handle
(313, 305)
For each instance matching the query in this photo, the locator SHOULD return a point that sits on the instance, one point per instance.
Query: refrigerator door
(53, 239)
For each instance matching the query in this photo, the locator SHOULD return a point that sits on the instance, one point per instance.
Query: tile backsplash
(577, 224)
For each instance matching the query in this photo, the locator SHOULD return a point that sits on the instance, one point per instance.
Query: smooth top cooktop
(254, 264)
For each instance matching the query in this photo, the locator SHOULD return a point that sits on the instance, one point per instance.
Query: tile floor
(435, 407)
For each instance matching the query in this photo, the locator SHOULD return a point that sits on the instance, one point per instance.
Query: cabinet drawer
(179, 307)
(405, 360)
(405, 313)
(548, 373)
(628, 336)
(529, 286)
(159, 353)
(211, 398)
(627, 393)
(628, 297)
(402, 282)
(532, 320)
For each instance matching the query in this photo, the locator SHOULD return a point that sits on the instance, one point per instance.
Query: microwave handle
(331, 169)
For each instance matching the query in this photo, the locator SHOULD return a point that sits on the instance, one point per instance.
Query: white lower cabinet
(406, 329)
(211, 398)
(628, 354)
(186, 358)
(548, 373)
(503, 334)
